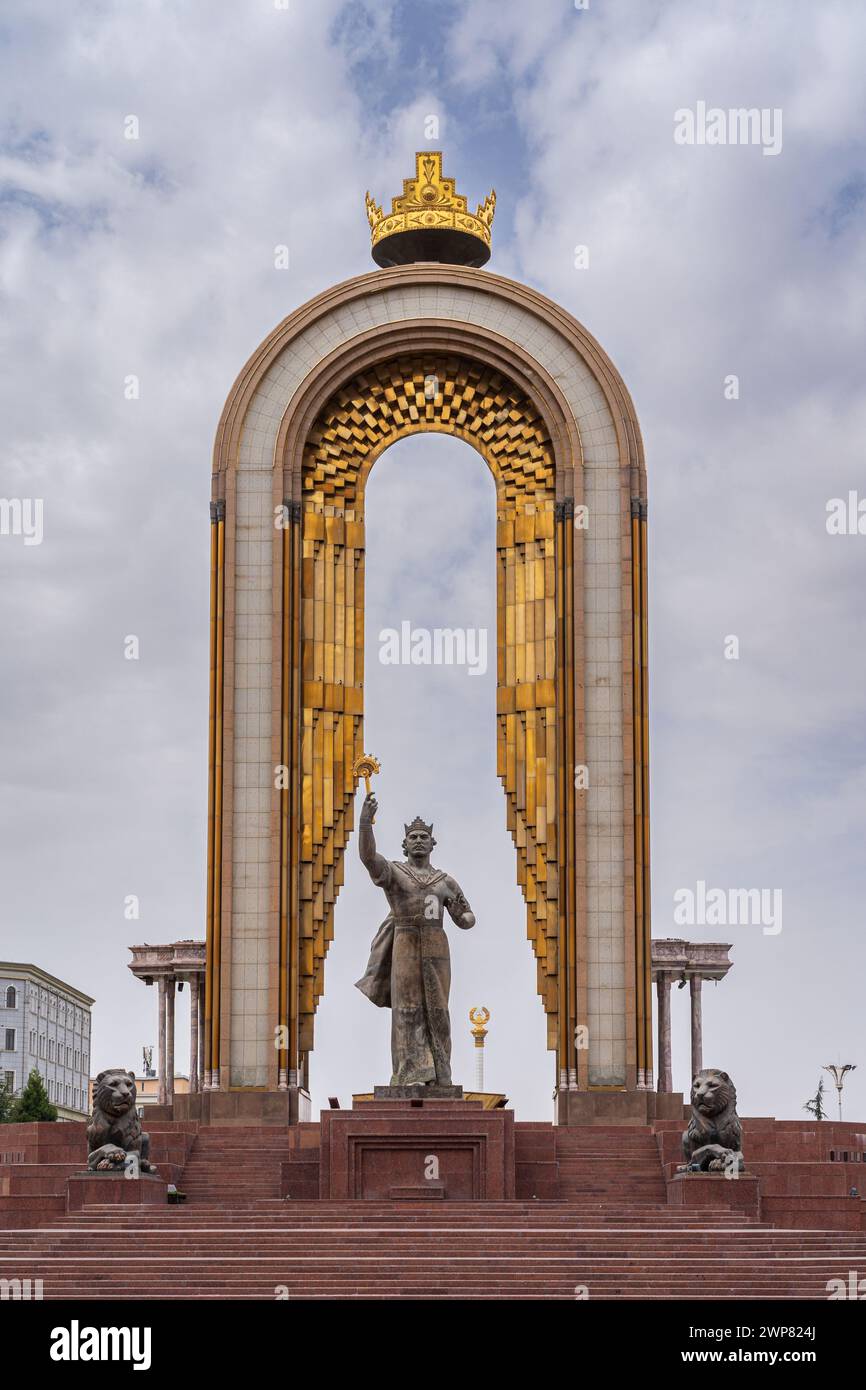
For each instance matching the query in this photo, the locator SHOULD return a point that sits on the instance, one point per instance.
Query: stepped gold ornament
(431, 221)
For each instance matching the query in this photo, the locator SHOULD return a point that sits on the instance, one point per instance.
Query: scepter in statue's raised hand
(364, 767)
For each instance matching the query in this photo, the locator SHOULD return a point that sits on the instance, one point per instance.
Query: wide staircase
(607, 1235)
(267, 1249)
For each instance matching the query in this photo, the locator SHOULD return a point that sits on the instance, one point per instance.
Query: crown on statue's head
(418, 824)
(430, 220)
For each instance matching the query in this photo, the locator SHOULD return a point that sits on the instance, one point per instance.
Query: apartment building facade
(45, 1023)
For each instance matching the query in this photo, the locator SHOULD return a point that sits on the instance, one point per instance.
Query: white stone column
(663, 989)
(169, 1047)
(697, 1025)
(161, 1061)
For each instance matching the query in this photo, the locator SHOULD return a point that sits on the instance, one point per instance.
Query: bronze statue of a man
(410, 965)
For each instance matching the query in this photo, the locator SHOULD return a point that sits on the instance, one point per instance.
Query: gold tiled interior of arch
(408, 395)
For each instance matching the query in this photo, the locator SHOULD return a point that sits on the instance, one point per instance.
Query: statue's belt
(416, 921)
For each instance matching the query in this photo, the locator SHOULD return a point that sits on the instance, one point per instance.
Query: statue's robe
(409, 971)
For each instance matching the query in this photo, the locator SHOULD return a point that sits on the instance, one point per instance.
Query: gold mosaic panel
(407, 395)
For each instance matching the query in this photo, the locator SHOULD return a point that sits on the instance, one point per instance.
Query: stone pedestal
(417, 1149)
(617, 1107)
(94, 1189)
(288, 1107)
(742, 1193)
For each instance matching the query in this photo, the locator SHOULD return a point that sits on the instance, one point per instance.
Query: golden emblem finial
(479, 1018)
(430, 220)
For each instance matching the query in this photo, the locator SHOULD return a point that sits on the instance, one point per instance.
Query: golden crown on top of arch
(429, 200)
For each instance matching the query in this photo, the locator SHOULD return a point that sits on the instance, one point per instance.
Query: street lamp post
(838, 1075)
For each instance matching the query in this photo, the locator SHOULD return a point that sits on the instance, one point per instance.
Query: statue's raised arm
(375, 864)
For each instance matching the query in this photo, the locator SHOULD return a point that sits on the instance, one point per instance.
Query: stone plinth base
(288, 1107)
(417, 1092)
(616, 1107)
(94, 1189)
(490, 1100)
(742, 1193)
(417, 1149)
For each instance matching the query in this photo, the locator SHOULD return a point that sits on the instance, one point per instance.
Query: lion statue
(115, 1129)
(713, 1139)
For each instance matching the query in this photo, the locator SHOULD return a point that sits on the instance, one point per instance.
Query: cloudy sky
(261, 125)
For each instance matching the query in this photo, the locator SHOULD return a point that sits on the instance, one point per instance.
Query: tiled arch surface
(252, 849)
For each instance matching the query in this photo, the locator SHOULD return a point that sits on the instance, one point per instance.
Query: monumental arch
(429, 341)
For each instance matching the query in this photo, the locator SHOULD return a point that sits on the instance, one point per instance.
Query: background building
(45, 1023)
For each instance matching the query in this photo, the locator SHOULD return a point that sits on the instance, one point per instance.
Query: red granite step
(344, 1256)
(232, 1162)
(609, 1162)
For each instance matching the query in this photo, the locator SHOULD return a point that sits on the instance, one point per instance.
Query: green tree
(33, 1102)
(815, 1106)
(7, 1101)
